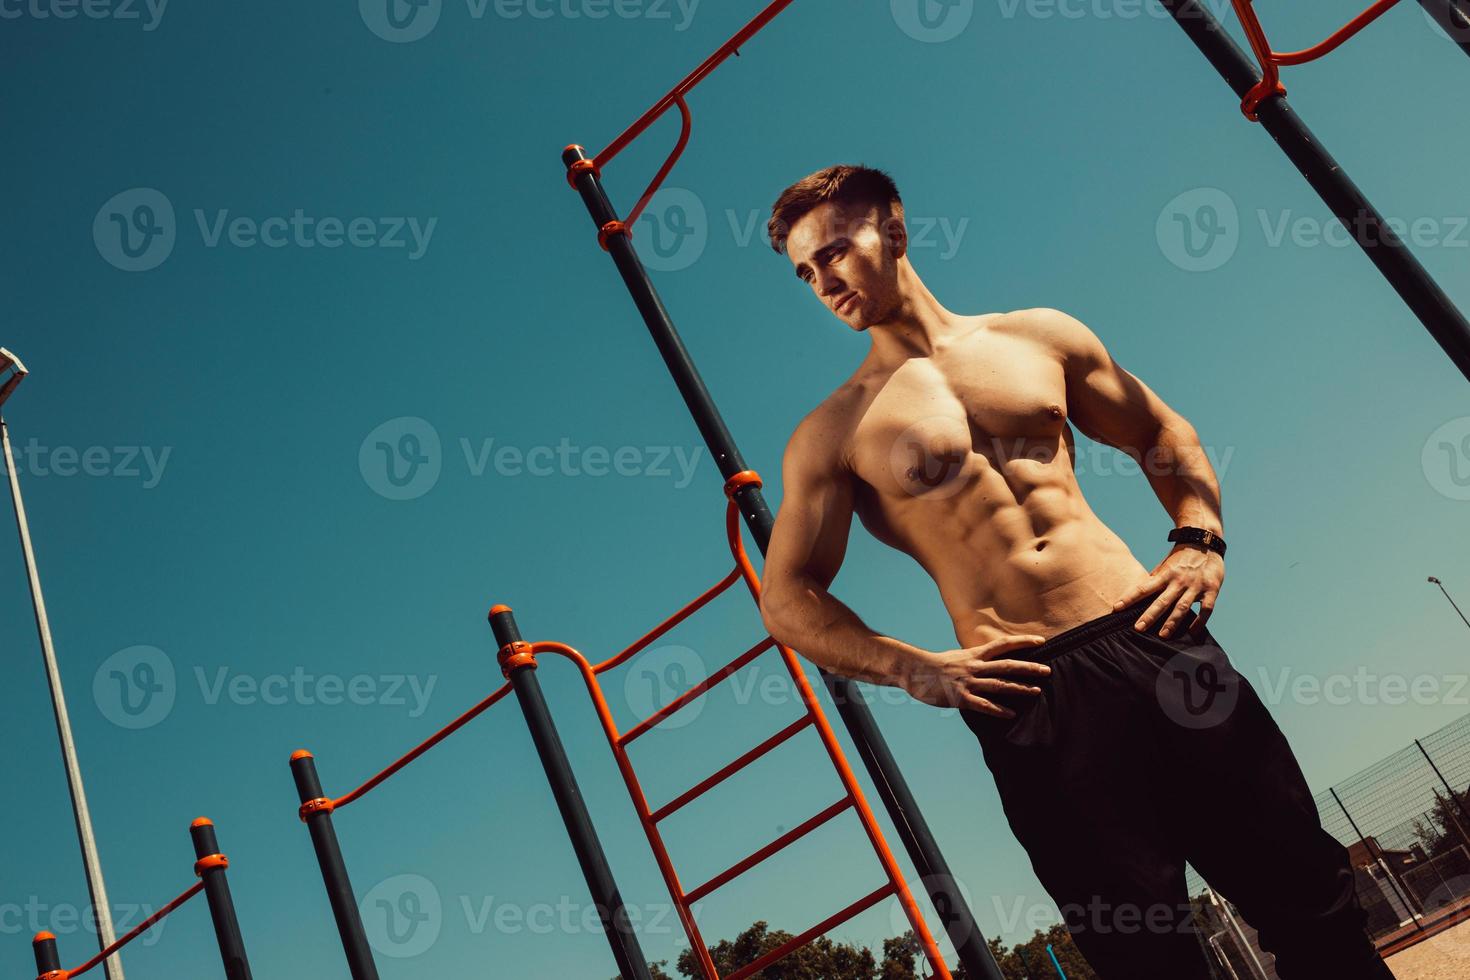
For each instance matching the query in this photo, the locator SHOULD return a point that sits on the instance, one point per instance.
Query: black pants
(1142, 753)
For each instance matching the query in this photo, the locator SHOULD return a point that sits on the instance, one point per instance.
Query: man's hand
(1188, 573)
(959, 678)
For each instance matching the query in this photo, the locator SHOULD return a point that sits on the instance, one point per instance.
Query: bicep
(809, 538)
(1106, 402)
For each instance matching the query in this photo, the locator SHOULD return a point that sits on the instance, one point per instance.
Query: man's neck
(918, 325)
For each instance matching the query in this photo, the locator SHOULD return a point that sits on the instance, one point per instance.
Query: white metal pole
(1257, 968)
(102, 912)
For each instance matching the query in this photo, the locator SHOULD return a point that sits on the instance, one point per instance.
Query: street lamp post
(1447, 596)
(102, 912)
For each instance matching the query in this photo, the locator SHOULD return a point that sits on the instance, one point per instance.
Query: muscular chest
(935, 423)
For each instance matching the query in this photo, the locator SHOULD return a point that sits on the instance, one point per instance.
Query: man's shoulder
(1050, 328)
(824, 432)
(1036, 321)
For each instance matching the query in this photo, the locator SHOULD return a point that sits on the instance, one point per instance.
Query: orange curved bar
(1335, 40)
(684, 127)
(417, 751)
(692, 79)
(670, 623)
(137, 931)
(1270, 60)
(675, 96)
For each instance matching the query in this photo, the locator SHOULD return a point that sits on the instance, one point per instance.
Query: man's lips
(842, 303)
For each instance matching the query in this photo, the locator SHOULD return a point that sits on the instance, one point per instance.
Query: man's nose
(828, 283)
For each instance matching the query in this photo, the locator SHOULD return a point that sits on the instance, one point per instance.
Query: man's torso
(964, 460)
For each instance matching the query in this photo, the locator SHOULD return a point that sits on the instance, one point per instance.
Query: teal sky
(209, 501)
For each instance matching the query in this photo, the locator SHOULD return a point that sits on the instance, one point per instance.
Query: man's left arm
(1112, 406)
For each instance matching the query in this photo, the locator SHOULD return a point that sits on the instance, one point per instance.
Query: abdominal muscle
(1017, 555)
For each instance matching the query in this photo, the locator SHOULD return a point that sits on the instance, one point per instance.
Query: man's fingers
(1206, 606)
(989, 650)
(1145, 588)
(997, 685)
(1181, 608)
(1028, 667)
(987, 707)
(1157, 607)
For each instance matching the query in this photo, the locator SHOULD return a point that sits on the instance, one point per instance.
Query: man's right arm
(806, 549)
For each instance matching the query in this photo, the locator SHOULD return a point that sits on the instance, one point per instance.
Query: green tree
(825, 959)
(1013, 962)
(820, 959)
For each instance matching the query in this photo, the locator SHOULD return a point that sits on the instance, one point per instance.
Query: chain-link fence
(1406, 823)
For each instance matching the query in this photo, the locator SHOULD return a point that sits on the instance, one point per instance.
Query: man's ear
(895, 235)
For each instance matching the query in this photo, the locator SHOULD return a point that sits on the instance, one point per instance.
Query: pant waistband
(1077, 635)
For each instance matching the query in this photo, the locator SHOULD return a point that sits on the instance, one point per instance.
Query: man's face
(849, 254)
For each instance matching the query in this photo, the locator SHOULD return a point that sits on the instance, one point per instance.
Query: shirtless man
(1122, 740)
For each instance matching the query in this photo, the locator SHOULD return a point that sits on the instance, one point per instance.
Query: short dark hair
(842, 183)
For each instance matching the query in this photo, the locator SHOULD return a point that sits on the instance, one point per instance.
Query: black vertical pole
(1384, 249)
(1393, 879)
(1453, 795)
(521, 671)
(922, 848)
(48, 961)
(221, 903)
(1454, 17)
(334, 872)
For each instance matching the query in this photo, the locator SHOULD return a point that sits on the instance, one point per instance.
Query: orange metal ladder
(522, 652)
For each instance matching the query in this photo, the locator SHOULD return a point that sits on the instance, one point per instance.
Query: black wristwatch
(1198, 535)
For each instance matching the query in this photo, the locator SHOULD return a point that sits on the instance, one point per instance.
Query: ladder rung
(695, 691)
(830, 922)
(731, 768)
(771, 848)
